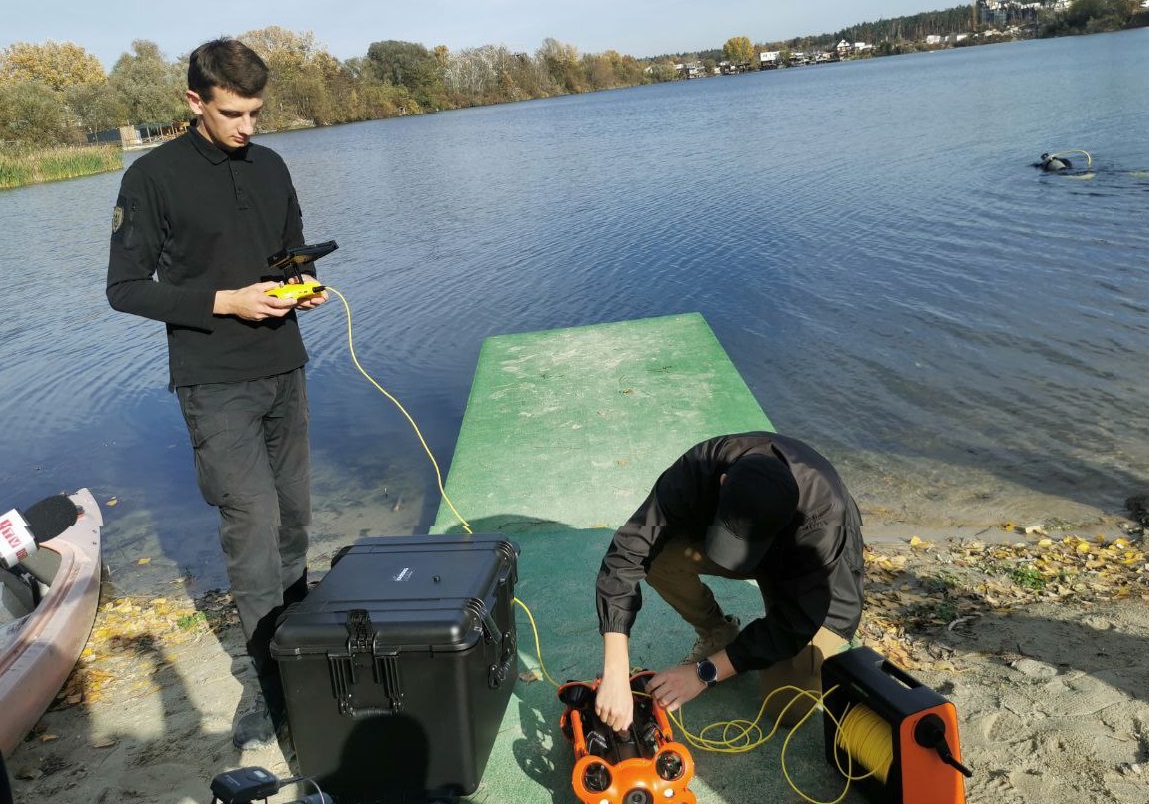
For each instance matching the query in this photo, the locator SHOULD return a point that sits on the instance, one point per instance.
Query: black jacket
(192, 219)
(812, 573)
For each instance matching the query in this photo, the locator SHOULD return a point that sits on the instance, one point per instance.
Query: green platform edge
(564, 433)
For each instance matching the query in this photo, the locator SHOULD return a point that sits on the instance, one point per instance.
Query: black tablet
(300, 255)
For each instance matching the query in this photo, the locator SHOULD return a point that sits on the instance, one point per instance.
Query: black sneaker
(255, 729)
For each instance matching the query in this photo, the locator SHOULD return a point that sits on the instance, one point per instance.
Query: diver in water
(1052, 164)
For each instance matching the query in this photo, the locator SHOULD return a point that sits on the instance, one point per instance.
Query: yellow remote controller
(297, 290)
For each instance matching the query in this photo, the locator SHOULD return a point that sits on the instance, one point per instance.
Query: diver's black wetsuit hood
(1053, 163)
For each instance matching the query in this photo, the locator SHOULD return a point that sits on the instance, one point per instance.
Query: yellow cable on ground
(382, 390)
(860, 739)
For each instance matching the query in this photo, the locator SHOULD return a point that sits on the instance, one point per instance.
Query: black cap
(757, 500)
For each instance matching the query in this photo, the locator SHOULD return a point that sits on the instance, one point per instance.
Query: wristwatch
(707, 673)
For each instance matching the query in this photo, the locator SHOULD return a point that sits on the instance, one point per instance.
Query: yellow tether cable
(740, 736)
(403, 410)
(1088, 156)
(438, 473)
(435, 464)
(538, 643)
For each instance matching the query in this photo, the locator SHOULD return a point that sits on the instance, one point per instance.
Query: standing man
(757, 506)
(194, 224)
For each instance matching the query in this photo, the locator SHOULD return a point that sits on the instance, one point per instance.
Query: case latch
(360, 632)
(361, 639)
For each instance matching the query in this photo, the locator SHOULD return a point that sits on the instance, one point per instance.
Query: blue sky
(345, 28)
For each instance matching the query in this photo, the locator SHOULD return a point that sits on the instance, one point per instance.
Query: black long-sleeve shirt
(812, 574)
(192, 219)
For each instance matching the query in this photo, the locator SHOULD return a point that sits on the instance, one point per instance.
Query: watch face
(707, 672)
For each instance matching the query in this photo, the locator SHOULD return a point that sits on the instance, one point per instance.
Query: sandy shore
(1039, 638)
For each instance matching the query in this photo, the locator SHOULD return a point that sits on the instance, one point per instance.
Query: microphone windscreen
(50, 517)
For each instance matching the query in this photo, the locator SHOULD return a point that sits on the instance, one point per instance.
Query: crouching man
(755, 506)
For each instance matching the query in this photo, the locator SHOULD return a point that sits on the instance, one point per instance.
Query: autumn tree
(611, 70)
(96, 107)
(411, 66)
(662, 71)
(57, 65)
(473, 74)
(30, 112)
(738, 50)
(150, 88)
(628, 71)
(369, 97)
(563, 64)
(527, 77)
(298, 92)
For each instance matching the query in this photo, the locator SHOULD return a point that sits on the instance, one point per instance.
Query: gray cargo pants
(253, 463)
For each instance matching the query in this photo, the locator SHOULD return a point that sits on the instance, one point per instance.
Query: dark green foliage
(30, 112)
(1092, 16)
(410, 66)
(914, 28)
(150, 89)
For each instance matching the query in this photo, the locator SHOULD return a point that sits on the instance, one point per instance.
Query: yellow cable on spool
(868, 738)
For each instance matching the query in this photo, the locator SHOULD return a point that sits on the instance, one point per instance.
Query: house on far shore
(847, 49)
(692, 70)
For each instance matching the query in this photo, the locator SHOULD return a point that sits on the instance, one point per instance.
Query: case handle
(491, 632)
(500, 672)
(343, 680)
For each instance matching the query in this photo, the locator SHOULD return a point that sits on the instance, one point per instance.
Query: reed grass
(20, 166)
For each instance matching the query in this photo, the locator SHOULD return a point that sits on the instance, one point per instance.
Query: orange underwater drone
(641, 766)
(879, 720)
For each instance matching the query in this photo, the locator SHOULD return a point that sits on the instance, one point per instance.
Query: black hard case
(399, 664)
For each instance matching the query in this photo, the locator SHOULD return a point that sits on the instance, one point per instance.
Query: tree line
(908, 33)
(58, 93)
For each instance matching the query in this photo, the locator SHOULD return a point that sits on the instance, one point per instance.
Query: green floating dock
(571, 427)
(564, 433)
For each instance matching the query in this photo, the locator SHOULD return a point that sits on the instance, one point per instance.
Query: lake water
(964, 336)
